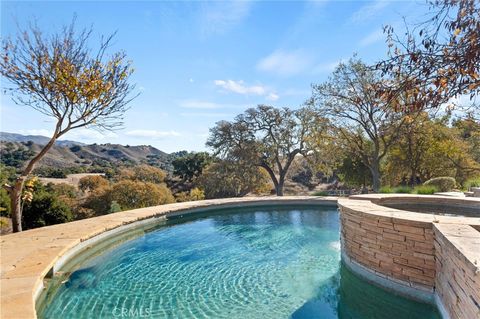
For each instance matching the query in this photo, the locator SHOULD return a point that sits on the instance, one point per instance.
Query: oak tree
(267, 137)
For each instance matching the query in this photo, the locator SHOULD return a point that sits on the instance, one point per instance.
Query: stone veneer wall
(400, 250)
(457, 282)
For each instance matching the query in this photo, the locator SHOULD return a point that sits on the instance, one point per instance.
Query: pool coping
(30, 256)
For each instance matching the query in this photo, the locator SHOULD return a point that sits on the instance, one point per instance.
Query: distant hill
(16, 148)
(37, 139)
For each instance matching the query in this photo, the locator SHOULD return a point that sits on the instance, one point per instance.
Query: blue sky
(200, 62)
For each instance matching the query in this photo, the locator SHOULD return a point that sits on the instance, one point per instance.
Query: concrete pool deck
(30, 256)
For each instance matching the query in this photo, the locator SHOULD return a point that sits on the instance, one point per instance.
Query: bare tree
(61, 77)
(267, 137)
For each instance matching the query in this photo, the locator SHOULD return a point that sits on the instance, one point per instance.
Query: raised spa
(265, 262)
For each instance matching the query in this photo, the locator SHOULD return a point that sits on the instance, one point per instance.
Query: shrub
(45, 209)
(192, 195)
(472, 182)
(402, 190)
(386, 190)
(135, 194)
(143, 173)
(92, 183)
(425, 189)
(443, 184)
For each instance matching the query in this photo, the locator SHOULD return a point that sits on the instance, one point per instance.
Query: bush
(472, 182)
(135, 194)
(443, 184)
(425, 189)
(192, 195)
(143, 173)
(386, 190)
(45, 209)
(92, 182)
(402, 190)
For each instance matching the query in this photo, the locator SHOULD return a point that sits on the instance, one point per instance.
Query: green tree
(45, 209)
(430, 148)
(190, 166)
(15, 155)
(364, 125)
(232, 179)
(62, 78)
(267, 137)
(7, 175)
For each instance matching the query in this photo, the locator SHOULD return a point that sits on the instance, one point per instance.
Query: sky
(197, 63)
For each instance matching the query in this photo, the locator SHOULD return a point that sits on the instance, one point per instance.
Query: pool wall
(424, 256)
(27, 258)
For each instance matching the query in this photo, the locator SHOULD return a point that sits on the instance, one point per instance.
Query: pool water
(278, 262)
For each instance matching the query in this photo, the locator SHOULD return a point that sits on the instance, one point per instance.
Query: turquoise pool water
(250, 263)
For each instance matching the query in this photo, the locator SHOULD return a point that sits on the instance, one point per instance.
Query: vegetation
(229, 179)
(443, 184)
(267, 137)
(437, 60)
(363, 123)
(190, 165)
(62, 78)
(47, 207)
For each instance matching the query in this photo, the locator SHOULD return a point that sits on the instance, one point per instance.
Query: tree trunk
(279, 185)
(16, 190)
(375, 170)
(16, 204)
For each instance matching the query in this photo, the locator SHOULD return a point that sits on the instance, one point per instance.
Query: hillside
(37, 139)
(14, 153)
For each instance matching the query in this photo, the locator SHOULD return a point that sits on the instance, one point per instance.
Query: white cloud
(240, 87)
(372, 37)
(368, 11)
(152, 134)
(272, 97)
(285, 63)
(219, 17)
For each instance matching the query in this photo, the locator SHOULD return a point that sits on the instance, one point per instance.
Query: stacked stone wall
(401, 250)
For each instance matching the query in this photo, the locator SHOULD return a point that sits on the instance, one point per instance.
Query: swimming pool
(265, 262)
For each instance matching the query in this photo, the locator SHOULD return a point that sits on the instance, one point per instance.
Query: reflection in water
(346, 296)
(263, 263)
